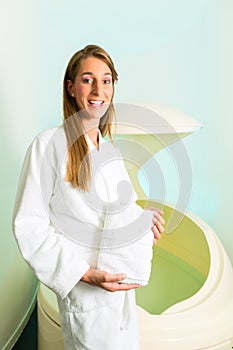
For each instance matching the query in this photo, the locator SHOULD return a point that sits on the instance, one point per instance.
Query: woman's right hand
(107, 280)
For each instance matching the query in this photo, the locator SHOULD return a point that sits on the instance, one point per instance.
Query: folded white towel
(127, 240)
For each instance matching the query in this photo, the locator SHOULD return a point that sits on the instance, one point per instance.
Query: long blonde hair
(78, 171)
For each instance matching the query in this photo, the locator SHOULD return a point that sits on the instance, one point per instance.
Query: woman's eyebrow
(90, 73)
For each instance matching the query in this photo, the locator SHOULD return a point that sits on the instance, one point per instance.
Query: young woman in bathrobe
(68, 182)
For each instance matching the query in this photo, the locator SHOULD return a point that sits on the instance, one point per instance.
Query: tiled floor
(28, 339)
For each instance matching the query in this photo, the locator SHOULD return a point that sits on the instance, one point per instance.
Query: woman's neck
(94, 136)
(91, 129)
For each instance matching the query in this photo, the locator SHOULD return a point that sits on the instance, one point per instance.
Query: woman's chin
(94, 112)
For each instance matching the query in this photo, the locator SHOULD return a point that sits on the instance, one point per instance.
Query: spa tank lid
(148, 118)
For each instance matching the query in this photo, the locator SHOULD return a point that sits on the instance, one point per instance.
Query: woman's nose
(96, 87)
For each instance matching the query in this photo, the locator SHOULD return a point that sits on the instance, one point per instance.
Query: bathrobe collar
(91, 144)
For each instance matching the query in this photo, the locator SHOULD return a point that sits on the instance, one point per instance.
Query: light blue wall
(177, 53)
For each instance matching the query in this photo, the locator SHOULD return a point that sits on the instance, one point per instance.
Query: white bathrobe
(59, 231)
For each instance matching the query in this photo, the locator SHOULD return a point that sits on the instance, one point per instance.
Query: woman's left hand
(158, 223)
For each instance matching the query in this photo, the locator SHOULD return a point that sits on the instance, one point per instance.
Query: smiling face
(93, 87)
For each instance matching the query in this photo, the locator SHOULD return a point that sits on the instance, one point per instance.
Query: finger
(159, 227)
(121, 286)
(156, 233)
(127, 286)
(159, 218)
(109, 277)
(156, 210)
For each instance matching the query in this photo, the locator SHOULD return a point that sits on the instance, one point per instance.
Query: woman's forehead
(93, 65)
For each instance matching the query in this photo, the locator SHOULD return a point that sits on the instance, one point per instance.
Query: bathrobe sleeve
(52, 256)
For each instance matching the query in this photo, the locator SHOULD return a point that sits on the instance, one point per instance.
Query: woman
(60, 210)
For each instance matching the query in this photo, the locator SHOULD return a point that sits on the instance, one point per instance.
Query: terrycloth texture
(59, 228)
(98, 319)
(56, 260)
(127, 241)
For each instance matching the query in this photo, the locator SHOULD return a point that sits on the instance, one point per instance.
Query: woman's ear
(70, 87)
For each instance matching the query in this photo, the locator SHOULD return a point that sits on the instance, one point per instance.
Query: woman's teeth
(96, 103)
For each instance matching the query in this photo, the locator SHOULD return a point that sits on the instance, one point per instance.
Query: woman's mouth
(96, 103)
